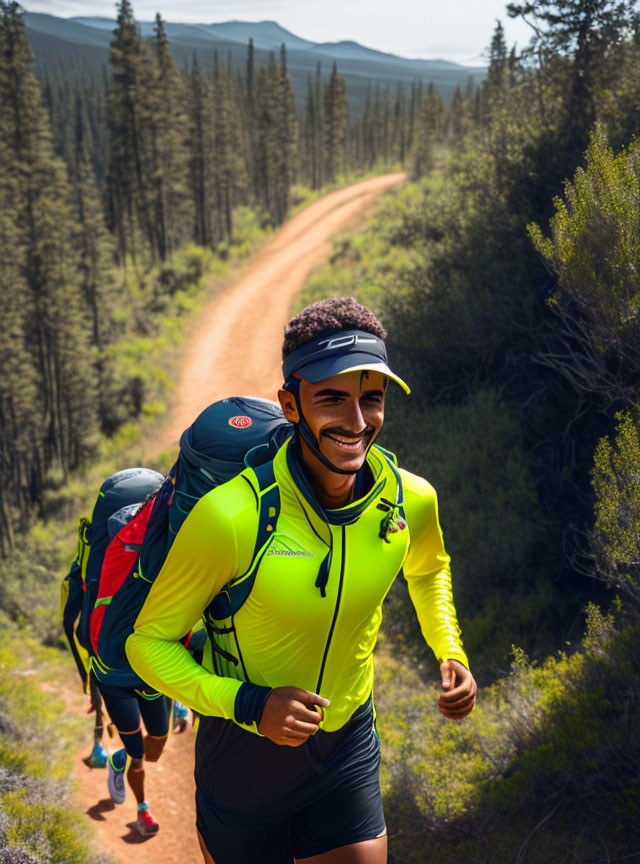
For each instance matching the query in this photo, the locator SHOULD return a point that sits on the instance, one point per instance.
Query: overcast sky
(458, 30)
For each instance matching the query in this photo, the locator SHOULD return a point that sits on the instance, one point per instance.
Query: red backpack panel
(118, 560)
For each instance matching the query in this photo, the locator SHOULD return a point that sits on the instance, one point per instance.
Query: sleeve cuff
(249, 703)
(460, 656)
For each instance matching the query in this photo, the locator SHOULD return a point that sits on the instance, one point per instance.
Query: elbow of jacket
(132, 650)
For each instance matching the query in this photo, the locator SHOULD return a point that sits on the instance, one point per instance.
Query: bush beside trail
(545, 769)
(40, 821)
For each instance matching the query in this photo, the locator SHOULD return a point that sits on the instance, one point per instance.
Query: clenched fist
(290, 715)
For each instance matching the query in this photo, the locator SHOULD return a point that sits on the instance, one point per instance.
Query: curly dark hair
(329, 316)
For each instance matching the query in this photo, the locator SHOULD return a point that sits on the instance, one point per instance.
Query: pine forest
(506, 270)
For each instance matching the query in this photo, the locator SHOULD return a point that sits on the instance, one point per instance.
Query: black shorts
(261, 803)
(127, 705)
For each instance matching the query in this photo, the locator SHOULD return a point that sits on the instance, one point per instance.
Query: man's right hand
(290, 715)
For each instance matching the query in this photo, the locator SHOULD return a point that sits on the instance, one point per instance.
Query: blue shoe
(115, 780)
(180, 717)
(99, 756)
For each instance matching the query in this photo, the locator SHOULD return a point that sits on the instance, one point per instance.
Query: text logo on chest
(284, 546)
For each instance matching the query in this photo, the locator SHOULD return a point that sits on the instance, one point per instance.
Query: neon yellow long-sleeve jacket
(287, 633)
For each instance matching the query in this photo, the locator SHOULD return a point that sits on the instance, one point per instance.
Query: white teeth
(345, 442)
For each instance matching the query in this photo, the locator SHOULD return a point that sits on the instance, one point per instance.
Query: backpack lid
(217, 443)
(129, 486)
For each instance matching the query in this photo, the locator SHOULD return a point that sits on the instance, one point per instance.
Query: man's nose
(356, 422)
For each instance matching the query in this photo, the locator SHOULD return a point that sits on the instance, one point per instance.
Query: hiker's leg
(133, 744)
(153, 747)
(123, 709)
(135, 778)
(96, 704)
(155, 713)
(205, 855)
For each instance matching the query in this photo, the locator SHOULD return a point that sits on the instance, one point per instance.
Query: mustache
(344, 433)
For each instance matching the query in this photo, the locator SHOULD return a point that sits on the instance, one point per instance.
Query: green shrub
(40, 822)
(616, 482)
(594, 250)
(547, 763)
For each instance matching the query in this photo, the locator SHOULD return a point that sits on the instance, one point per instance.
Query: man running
(128, 709)
(287, 754)
(134, 705)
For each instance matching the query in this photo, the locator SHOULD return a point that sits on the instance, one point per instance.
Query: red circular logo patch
(240, 422)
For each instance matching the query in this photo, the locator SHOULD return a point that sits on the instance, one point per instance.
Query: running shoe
(180, 715)
(145, 823)
(115, 781)
(99, 756)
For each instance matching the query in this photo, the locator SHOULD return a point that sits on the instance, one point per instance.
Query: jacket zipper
(335, 614)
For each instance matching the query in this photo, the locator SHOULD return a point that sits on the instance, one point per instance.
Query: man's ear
(288, 404)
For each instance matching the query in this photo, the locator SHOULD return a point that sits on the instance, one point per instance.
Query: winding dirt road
(235, 349)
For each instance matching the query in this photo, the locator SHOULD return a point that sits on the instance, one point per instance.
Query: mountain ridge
(83, 42)
(269, 35)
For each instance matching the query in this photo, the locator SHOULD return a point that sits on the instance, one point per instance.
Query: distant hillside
(267, 35)
(84, 41)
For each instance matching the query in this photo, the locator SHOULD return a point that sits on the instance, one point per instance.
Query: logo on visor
(241, 422)
(345, 341)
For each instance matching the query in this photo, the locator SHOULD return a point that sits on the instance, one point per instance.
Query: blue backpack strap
(230, 599)
(225, 604)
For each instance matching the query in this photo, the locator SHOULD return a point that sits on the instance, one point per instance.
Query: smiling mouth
(348, 444)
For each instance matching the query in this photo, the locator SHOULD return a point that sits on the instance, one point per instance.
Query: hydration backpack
(130, 486)
(227, 437)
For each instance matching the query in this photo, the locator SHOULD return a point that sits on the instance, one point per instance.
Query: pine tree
(313, 132)
(95, 250)
(429, 130)
(276, 138)
(47, 320)
(21, 422)
(513, 67)
(415, 103)
(585, 32)
(167, 159)
(287, 130)
(200, 181)
(399, 126)
(318, 129)
(497, 58)
(336, 125)
(456, 118)
(127, 117)
(224, 156)
(248, 113)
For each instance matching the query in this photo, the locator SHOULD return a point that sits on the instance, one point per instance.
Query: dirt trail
(169, 789)
(235, 349)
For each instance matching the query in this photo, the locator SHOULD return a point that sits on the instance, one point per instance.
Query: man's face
(344, 413)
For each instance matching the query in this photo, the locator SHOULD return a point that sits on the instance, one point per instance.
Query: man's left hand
(458, 690)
